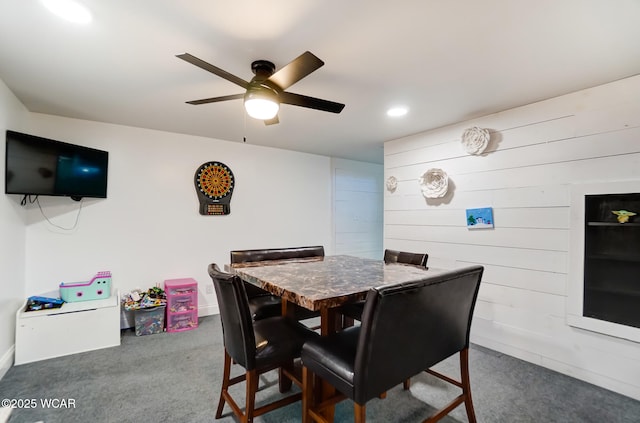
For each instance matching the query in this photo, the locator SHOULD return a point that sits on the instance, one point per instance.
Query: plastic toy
(98, 288)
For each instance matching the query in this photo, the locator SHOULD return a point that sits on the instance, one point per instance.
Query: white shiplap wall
(536, 154)
(357, 208)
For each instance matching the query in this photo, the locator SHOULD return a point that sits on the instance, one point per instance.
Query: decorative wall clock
(214, 183)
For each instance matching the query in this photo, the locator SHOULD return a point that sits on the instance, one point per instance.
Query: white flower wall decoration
(434, 183)
(392, 184)
(475, 140)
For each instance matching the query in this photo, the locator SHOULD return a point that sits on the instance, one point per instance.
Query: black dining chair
(395, 256)
(258, 346)
(353, 311)
(406, 329)
(262, 303)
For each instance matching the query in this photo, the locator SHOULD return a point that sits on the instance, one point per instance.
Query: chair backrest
(237, 326)
(409, 327)
(246, 256)
(394, 256)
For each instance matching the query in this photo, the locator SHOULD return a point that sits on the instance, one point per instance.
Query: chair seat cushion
(278, 339)
(333, 358)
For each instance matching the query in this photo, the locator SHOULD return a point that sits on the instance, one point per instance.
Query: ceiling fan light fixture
(261, 103)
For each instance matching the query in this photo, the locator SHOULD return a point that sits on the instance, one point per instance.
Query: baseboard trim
(7, 360)
(208, 310)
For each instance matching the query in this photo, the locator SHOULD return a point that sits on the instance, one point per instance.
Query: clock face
(214, 180)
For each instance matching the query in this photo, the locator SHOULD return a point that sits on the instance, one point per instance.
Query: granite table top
(329, 281)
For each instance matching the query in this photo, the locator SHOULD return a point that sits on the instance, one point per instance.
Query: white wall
(149, 228)
(12, 237)
(357, 214)
(537, 153)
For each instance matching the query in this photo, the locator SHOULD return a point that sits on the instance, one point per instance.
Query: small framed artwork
(480, 218)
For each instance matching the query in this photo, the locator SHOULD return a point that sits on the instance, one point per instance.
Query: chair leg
(319, 407)
(466, 385)
(406, 384)
(464, 397)
(225, 383)
(359, 412)
(252, 388)
(307, 394)
(284, 383)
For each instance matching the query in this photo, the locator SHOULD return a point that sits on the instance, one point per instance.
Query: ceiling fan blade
(310, 102)
(295, 70)
(216, 99)
(213, 69)
(272, 121)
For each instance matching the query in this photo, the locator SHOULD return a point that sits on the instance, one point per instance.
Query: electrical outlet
(210, 289)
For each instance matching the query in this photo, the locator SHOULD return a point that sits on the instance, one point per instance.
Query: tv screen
(41, 166)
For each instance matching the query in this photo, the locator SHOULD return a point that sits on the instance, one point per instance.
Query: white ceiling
(447, 60)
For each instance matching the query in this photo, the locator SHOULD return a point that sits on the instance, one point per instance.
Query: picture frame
(480, 218)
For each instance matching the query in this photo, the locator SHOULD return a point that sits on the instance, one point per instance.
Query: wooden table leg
(284, 383)
(329, 321)
(328, 325)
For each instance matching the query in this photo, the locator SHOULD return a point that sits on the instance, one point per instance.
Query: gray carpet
(175, 377)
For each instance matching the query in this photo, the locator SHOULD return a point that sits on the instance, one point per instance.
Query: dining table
(325, 284)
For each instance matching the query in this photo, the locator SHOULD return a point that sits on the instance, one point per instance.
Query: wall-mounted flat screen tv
(41, 166)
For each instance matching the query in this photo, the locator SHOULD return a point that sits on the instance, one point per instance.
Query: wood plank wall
(357, 214)
(535, 154)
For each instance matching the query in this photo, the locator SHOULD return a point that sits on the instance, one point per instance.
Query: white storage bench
(73, 328)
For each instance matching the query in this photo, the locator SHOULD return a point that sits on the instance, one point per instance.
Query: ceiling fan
(266, 90)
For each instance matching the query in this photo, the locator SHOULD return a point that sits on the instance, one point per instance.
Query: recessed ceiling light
(69, 10)
(397, 111)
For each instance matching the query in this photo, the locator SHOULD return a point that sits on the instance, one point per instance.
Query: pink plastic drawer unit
(182, 304)
(178, 322)
(181, 286)
(178, 304)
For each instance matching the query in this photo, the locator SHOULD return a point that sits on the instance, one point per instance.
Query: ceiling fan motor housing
(262, 69)
(259, 87)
